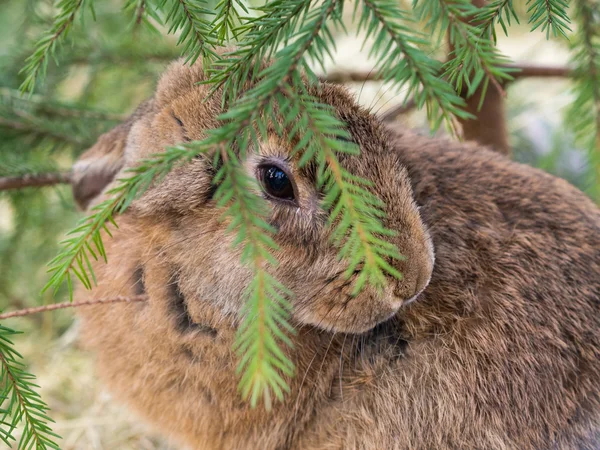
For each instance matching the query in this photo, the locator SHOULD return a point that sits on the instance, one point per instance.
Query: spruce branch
(583, 116)
(31, 126)
(401, 62)
(474, 60)
(264, 318)
(85, 241)
(189, 18)
(518, 71)
(497, 12)
(264, 33)
(34, 180)
(266, 310)
(549, 16)
(227, 23)
(141, 12)
(355, 212)
(12, 101)
(24, 404)
(37, 63)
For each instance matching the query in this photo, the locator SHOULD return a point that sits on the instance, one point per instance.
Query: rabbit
(489, 341)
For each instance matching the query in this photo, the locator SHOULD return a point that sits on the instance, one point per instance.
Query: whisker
(363, 84)
(342, 368)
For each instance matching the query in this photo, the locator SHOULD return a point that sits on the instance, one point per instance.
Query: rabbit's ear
(98, 166)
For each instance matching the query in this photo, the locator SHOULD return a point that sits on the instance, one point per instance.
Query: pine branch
(34, 180)
(355, 212)
(549, 16)
(35, 105)
(236, 68)
(141, 11)
(45, 48)
(266, 310)
(77, 248)
(24, 403)
(583, 116)
(56, 306)
(188, 17)
(401, 63)
(40, 129)
(499, 11)
(227, 22)
(474, 60)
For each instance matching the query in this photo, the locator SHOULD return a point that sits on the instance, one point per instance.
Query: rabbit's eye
(277, 183)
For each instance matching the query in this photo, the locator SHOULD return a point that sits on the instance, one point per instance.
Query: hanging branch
(188, 17)
(23, 403)
(45, 48)
(550, 16)
(497, 12)
(400, 62)
(583, 116)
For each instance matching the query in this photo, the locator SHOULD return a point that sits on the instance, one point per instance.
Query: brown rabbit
(499, 349)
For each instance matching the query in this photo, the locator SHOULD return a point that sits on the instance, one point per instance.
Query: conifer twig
(46, 46)
(21, 402)
(55, 306)
(34, 180)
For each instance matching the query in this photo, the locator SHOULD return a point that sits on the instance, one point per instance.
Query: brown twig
(538, 71)
(34, 180)
(140, 13)
(55, 306)
(525, 71)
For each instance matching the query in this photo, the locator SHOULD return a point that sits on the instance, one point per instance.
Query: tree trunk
(489, 125)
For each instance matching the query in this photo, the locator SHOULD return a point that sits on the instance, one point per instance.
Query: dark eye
(277, 183)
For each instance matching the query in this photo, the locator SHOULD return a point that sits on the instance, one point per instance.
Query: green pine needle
(583, 115)
(497, 12)
(475, 60)
(228, 24)
(189, 18)
(266, 312)
(21, 402)
(550, 16)
(401, 62)
(85, 241)
(141, 12)
(37, 63)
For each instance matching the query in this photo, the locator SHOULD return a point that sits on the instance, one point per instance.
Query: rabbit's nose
(416, 270)
(410, 291)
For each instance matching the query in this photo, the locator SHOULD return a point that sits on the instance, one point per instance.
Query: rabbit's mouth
(335, 307)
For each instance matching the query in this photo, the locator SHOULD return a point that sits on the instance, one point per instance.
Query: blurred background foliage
(107, 67)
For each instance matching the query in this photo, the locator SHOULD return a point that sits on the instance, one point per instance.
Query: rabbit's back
(503, 346)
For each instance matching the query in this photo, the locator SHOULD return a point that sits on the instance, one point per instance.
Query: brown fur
(500, 351)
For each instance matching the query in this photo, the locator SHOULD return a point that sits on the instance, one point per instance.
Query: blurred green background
(108, 66)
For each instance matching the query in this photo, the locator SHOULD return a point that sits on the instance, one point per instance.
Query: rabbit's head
(204, 264)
